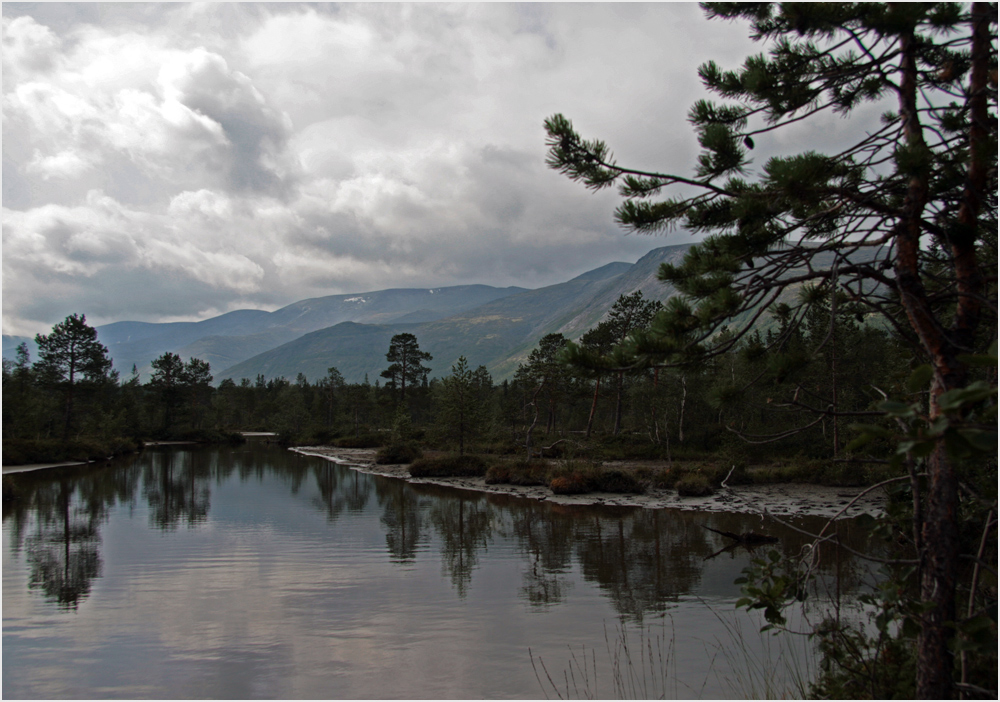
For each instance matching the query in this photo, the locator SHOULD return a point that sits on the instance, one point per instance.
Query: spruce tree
(459, 403)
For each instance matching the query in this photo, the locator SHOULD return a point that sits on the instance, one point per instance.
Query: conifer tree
(902, 221)
(460, 406)
(69, 354)
(406, 361)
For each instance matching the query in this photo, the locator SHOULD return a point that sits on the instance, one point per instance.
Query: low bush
(663, 479)
(361, 441)
(449, 467)
(571, 484)
(573, 478)
(398, 454)
(617, 481)
(519, 473)
(694, 485)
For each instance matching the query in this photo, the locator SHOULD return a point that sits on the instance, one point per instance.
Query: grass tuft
(694, 485)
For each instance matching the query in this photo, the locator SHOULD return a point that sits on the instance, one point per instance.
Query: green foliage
(899, 226)
(770, 584)
(361, 441)
(406, 363)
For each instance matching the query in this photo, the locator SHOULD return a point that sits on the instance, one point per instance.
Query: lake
(255, 572)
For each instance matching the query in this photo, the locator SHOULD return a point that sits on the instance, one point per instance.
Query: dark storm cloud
(170, 161)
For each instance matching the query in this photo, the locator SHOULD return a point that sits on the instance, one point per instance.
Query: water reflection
(642, 561)
(63, 553)
(464, 524)
(177, 488)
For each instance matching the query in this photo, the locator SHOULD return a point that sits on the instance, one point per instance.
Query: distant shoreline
(781, 500)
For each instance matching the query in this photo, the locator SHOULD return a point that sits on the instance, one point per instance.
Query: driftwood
(540, 453)
(748, 538)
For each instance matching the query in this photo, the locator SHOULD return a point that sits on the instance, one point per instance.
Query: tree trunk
(940, 534)
(618, 404)
(593, 406)
(680, 418)
(935, 657)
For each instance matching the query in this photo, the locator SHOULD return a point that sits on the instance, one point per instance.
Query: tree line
(72, 395)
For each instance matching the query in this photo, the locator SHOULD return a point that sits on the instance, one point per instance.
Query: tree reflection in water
(547, 542)
(176, 487)
(56, 520)
(643, 560)
(63, 553)
(465, 525)
(402, 517)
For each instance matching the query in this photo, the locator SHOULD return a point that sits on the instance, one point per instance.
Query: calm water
(255, 572)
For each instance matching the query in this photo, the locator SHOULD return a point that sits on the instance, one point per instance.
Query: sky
(167, 162)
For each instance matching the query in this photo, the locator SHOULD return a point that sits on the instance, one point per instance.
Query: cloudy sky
(170, 162)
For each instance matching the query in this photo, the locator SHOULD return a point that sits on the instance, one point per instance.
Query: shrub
(617, 481)
(398, 454)
(694, 485)
(572, 484)
(362, 441)
(520, 473)
(449, 467)
(663, 479)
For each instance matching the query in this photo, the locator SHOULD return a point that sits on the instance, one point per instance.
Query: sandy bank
(28, 467)
(780, 500)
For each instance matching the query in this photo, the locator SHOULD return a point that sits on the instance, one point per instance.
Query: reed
(641, 663)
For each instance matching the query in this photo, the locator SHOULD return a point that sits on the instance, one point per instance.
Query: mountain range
(495, 327)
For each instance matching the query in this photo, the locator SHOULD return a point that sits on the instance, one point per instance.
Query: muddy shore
(786, 499)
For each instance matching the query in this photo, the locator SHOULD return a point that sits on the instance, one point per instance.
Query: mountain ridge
(498, 334)
(491, 326)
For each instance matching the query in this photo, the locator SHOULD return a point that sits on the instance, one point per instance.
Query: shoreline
(779, 499)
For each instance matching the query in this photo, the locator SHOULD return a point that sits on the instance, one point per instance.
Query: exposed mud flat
(787, 499)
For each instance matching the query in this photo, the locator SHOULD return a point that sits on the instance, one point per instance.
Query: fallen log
(748, 538)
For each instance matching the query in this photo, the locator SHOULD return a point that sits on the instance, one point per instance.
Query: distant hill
(498, 334)
(235, 336)
(495, 327)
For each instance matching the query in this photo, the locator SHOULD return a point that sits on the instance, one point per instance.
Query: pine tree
(406, 361)
(902, 221)
(69, 355)
(629, 314)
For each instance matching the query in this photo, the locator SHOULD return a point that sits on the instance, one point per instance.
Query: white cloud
(65, 164)
(27, 47)
(218, 155)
